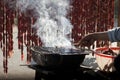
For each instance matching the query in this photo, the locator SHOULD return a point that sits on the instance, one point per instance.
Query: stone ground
(15, 71)
(18, 72)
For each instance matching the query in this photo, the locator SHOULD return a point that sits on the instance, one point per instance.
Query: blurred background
(13, 69)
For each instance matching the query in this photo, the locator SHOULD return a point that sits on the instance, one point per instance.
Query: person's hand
(87, 41)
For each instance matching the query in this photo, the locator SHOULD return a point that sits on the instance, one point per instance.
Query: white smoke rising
(52, 24)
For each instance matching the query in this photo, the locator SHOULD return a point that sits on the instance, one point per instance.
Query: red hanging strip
(2, 32)
(28, 55)
(86, 16)
(32, 37)
(111, 15)
(5, 60)
(21, 31)
(28, 31)
(98, 21)
(33, 33)
(1, 22)
(28, 39)
(9, 30)
(22, 48)
(106, 8)
(91, 16)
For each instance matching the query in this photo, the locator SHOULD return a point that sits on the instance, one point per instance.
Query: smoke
(52, 25)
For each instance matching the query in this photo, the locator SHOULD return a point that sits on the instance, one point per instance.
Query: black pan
(52, 57)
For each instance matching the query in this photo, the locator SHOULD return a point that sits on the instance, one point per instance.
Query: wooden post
(118, 19)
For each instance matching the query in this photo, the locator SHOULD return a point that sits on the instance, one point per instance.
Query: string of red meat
(90, 16)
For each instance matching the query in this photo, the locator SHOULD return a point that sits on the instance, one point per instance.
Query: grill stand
(81, 73)
(47, 74)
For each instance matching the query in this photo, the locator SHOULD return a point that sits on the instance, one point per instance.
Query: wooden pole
(118, 13)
